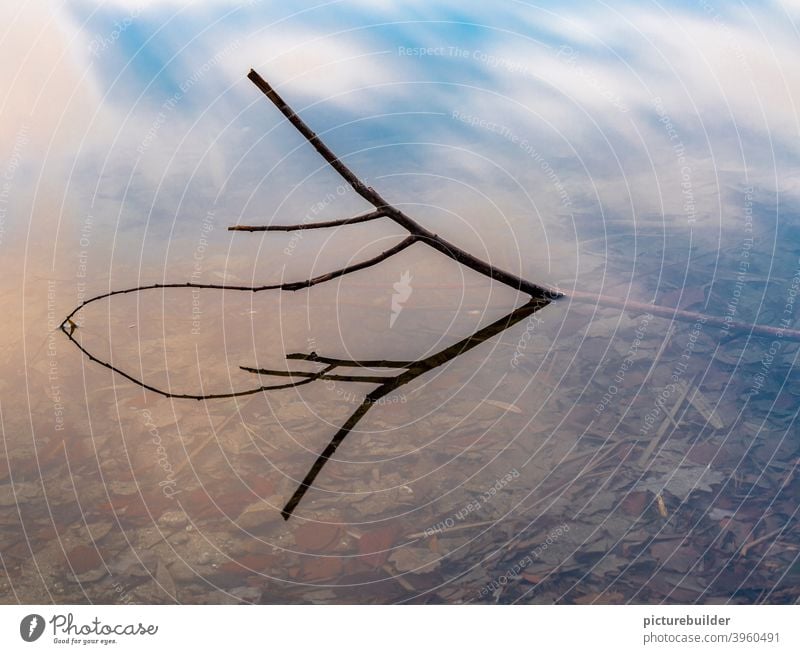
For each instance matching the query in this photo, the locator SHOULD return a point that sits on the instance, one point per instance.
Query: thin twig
(372, 215)
(202, 445)
(748, 546)
(668, 418)
(657, 358)
(283, 286)
(447, 530)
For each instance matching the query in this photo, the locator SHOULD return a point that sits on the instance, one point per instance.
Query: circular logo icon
(31, 627)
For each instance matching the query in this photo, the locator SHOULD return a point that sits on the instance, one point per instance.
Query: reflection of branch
(183, 396)
(385, 384)
(348, 362)
(317, 375)
(414, 370)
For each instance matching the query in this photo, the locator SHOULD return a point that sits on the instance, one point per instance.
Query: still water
(575, 454)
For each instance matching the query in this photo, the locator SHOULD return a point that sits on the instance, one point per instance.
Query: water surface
(584, 454)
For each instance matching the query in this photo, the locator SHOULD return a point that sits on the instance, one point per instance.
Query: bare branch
(465, 258)
(286, 286)
(402, 245)
(372, 215)
(358, 186)
(405, 221)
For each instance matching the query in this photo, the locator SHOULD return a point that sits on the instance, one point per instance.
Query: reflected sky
(560, 120)
(639, 150)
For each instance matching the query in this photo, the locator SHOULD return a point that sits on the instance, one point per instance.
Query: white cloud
(43, 88)
(322, 68)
